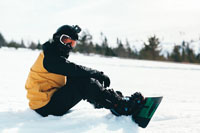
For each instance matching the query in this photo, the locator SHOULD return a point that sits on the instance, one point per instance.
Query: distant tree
(131, 53)
(151, 50)
(84, 45)
(101, 48)
(106, 50)
(22, 45)
(128, 49)
(39, 46)
(176, 54)
(2, 41)
(98, 49)
(90, 47)
(190, 54)
(120, 50)
(33, 46)
(198, 58)
(184, 59)
(14, 44)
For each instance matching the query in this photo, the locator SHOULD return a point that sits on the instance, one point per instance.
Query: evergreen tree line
(150, 51)
(14, 44)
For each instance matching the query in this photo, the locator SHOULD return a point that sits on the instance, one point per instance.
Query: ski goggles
(66, 40)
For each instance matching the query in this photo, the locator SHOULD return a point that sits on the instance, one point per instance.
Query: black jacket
(55, 62)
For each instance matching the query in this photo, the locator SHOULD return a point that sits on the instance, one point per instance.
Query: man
(55, 84)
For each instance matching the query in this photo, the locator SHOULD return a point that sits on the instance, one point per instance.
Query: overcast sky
(33, 20)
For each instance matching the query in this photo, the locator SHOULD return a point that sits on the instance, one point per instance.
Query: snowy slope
(178, 83)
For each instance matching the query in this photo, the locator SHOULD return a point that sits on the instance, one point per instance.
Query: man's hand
(103, 79)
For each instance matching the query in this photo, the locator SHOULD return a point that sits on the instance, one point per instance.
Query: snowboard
(144, 115)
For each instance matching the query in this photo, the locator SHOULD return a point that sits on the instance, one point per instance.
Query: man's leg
(63, 99)
(88, 89)
(112, 100)
(73, 92)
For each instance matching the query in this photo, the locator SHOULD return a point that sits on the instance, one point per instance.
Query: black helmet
(71, 31)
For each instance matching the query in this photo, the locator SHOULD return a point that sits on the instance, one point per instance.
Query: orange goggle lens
(66, 40)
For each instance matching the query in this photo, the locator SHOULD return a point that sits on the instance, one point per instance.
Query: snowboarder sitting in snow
(55, 84)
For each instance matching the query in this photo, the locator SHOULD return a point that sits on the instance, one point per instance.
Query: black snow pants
(69, 95)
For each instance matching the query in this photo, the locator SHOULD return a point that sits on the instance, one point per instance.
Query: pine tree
(131, 53)
(33, 46)
(14, 44)
(176, 54)
(184, 52)
(39, 46)
(106, 50)
(198, 58)
(2, 41)
(190, 54)
(151, 50)
(120, 50)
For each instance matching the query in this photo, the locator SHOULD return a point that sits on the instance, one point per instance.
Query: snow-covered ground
(178, 83)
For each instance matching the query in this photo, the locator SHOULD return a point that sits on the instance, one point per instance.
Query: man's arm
(61, 65)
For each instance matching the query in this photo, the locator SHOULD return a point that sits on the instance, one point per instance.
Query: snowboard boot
(117, 103)
(129, 105)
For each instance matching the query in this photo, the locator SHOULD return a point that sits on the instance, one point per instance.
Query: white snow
(178, 83)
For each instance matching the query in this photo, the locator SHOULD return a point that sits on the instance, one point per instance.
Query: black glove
(103, 79)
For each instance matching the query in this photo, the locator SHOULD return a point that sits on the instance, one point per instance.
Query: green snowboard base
(143, 117)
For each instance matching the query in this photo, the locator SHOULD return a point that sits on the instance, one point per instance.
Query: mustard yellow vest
(41, 84)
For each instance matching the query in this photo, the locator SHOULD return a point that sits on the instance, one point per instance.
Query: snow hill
(178, 83)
